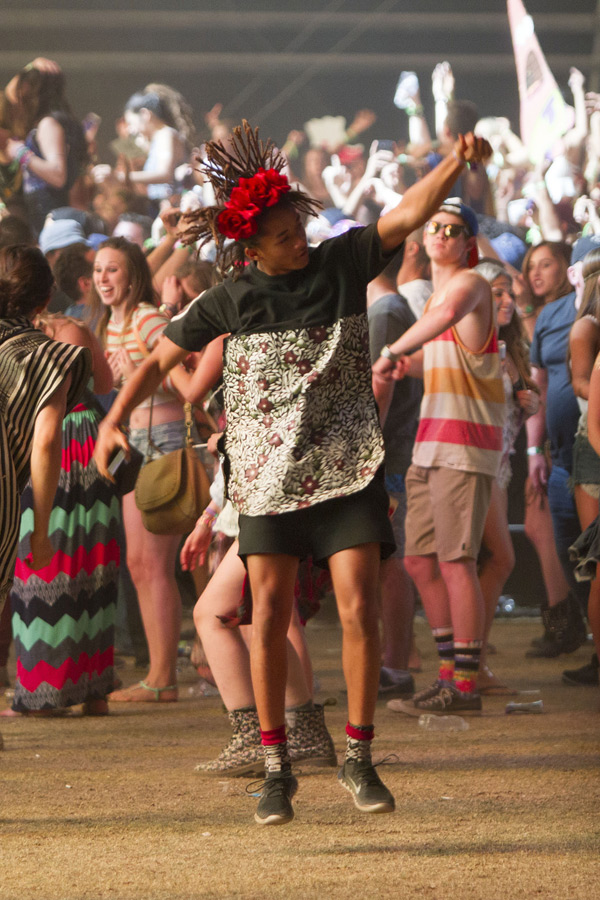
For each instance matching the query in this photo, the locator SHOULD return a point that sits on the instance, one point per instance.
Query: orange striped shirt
(146, 326)
(463, 406)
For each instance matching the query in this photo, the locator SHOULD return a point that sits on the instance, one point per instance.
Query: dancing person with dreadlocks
(303, 444)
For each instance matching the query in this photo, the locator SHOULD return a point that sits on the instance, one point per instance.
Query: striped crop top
(146, 325)
(463, 406)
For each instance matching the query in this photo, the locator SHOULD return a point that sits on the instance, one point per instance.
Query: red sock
(360, 732)
(274, 736)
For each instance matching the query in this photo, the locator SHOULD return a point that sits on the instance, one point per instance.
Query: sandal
(125, 696)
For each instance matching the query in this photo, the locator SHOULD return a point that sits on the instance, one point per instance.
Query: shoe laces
(270, 786)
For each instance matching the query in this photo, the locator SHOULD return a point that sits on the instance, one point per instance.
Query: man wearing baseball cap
(456, 453)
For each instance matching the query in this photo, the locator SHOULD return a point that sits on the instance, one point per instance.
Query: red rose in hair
(266, 187)
(242, 201)
(236, 224)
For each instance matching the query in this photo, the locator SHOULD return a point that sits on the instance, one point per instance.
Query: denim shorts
(167, 437)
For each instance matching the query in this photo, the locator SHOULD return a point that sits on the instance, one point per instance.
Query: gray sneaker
(447, 700)
(368, 791)
(275, 804)
(404, 705)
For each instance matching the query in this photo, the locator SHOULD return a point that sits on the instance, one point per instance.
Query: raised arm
(424, 197)
(464, 294)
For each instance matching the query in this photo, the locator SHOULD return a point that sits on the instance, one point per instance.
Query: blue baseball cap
(510, 248)
(455, 206)
(582, 247)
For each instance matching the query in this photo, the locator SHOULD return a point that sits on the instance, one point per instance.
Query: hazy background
(280, 63)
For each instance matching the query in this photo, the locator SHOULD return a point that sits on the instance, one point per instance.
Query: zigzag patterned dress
(63, 615)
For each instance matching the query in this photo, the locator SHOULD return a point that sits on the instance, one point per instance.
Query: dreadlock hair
(223, 167)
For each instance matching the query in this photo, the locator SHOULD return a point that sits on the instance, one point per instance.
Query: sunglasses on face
(449, 231)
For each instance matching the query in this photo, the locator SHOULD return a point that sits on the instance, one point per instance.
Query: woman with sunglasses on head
(522, 400)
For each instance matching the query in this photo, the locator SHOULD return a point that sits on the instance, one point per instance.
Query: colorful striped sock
(444, 644)
(466, 665)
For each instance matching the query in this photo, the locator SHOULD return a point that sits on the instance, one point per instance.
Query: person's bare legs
(494, 572)
(465, 597)
(539, 530)
(151, 561)
(224, 647)
(354, 573)
(453, 603)
(272, 579)
(227, 648)
(426, 574)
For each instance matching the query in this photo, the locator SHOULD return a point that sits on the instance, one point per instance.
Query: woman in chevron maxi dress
(63, 615)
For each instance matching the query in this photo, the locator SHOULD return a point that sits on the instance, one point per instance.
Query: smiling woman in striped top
(130, 326)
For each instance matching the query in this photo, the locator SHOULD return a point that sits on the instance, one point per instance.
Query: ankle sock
(466, 665)
(360, 732)
(444, 644)
(274, 736)
(277, 758)
(358, 741)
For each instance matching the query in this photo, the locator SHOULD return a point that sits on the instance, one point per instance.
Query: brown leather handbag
(172, 491)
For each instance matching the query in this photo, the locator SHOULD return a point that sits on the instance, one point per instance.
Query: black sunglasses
(450, 231)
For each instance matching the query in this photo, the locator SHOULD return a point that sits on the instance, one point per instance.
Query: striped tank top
(463, 406)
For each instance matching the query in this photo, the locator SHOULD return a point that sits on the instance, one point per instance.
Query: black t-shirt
(302, 425)
(389, 318)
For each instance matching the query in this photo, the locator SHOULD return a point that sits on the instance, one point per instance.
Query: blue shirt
(549, 351)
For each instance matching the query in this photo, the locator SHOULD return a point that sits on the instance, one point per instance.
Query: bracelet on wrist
(387, 354)
(459, 159)
(23, 156)
(414, 110)
(535, 451)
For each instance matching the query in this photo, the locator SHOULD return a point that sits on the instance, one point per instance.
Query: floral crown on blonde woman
(246, 177)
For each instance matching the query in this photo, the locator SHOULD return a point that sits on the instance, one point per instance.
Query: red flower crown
(247, 201)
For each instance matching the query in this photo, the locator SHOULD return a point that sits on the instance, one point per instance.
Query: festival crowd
(326, 351)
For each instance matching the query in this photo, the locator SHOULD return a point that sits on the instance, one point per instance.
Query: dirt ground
(111, 808)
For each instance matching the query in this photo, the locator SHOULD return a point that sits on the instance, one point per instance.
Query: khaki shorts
(447, 509)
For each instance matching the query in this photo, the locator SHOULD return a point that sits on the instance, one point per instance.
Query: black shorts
(321, 530)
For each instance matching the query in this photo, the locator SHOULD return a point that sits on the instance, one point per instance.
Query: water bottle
(430, 722)
(534, 706)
